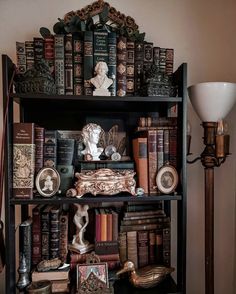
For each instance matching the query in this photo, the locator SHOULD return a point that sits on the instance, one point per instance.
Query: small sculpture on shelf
(101, 82)
(81, 220)
(146, 277)
(91, 133)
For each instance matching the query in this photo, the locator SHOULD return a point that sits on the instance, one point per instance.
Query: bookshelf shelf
(69, 112)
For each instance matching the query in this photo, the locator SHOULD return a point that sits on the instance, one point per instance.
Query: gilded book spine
(78, 67)
(68, 64)
(20, 57)
(38, 49)
(29, 52)
(59, 64)
(49, 53)
(39, 141)
(138, 65)
(63, 236)
(130, 67)
(112, 61)
(100, 47)
(148, 56)
(121, 66)
(23, 160)
(36, 234)
(88, 62)
(152, 160)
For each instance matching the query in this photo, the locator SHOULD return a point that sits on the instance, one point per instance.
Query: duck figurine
(146, 277)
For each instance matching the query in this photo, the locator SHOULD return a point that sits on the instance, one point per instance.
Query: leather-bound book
(166, 146)
(66, 173)
(88, 62)
(156, 56)
(123, 247)
(142, 241)
(100, 47)
(147, 56)
(65, 151)
(23, 160)
(68, 64)
(112, 61)
(132, 249)
(29, 53)
(163, 60)
(173, 147)
(121, 66)
(39, 142)
(166, 245)
(152, 160)
(106, 247)
(78, 66)
(63, 236)
(45, 229)
(97, 225)
(55, 231)
(138, 65)
(25, 241)
(160, 148)
(169, 61)
(140, 153)
(159, 246)
(36, 234)
(50, 148)
(49, 52)
(109, 224)
(59, 51)
(38, 49)
(103, 224)
(115, 222)
(130, 67)
(139, 227)
(20, 57)
(93, 165)
(152, 244)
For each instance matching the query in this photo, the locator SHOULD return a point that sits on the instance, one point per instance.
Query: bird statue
(146, 277)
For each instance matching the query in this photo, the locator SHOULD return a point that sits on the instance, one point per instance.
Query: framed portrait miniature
(167, 179)
(92, 277)
(47, 181)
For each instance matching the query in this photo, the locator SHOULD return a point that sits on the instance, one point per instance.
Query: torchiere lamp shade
(212, 101)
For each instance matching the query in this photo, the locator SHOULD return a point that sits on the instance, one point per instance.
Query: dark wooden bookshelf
(72, 113)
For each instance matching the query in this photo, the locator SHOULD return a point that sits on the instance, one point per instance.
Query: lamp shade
(212, 101)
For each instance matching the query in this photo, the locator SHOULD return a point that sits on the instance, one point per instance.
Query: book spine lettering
(88, 62)
(121, 66)
(59, 64)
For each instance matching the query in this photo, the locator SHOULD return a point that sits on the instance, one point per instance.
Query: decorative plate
(167, 179)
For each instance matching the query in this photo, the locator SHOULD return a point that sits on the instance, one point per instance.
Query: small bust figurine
(90, 134)
(101, 82)
(81, 221)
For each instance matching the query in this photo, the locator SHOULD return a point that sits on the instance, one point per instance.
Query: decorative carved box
(103, 181)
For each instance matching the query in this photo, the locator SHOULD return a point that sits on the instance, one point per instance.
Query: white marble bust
(91, 133)
(101, 82)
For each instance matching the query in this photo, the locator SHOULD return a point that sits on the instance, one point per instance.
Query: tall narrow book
(23, 160)
(88, 62)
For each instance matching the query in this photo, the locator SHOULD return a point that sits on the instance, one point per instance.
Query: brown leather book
(36, 234)
(103, 225)
(63, 249)
(23, 160)
(132, 250)
(123, 247)
(121, 66)
(39, 142)
(142, 241)
(141, 162)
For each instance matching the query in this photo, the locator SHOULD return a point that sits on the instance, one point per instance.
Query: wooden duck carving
(146, 277)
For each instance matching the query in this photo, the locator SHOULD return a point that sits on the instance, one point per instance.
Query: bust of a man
(101, 82)
(91, 133)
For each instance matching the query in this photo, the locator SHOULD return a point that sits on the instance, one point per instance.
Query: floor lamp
(212, 102)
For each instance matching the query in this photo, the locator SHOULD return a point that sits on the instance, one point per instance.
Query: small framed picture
(48, 181)
(167, 179)
(92, 276)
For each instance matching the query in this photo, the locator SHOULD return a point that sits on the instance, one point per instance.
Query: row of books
(144, 238)
(153, 147)
(72, 59)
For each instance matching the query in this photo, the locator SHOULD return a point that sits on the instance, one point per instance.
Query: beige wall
(203, 35)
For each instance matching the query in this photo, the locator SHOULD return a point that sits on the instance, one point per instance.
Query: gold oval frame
(167, 179)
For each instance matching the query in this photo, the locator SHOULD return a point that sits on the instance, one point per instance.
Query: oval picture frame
(167, 179)
(48, 181)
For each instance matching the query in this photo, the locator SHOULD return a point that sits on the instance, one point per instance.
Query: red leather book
(109, 225)
(23, 160)
(36, 234)
(115, 226)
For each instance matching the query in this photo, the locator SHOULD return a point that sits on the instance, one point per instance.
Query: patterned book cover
(68, 64)
(140, 153)
(130, 67)
(20, 57)
(147, 56)
(59, 53)
(166, 146)
(163, 60)
(152, 160)
(143, 246)
(36, 234)
(132, 248)
(54, 248)
(38, 49)
(50, 148)
(169, 61)
(39, 142)
(100, 47)
(173, 147)
(45, 229)
(112, 61)
(49, 53)
(138, 66)
(63, 236)
(160, 148)
(121, 66)
(25, 241)
(23, 160)
(78, 66)
(88, 62)
(29, 51)
(156, 56)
